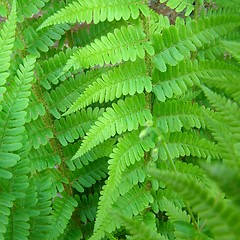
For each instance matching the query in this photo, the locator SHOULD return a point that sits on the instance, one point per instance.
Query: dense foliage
(120, 119)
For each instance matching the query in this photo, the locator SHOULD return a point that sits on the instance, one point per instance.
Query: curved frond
(97, 11)
(7, 38)
(221, 215)
(129, 150)
(180, 5)
(177, 42)
(173, 116)
(139, 230)
(128, 78)
(126, 43)
(124, 116)
(76, 125)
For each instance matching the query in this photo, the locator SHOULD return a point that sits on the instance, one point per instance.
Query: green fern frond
(26, 8)
(124, 116)
(128, 78)
(42, 40)
(100, 151)
(49, 71)
(89, 175)
(231, 178)
(41, 225)
(130, 204)
(221, 216)
(185, 144)
(63, 208)
(88, 207)
(129, 150)
(139, 230)
(173, 116)
(63, 96)
(12, 116)
(76, 125)
(7, 38)
(228, 110)
(97, 11)
(44, 157)
(180, 5)
(233, 48)
(126, 43)
(39, 133)
(177, 42)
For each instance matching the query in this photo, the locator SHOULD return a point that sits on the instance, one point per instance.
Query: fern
(119, 119)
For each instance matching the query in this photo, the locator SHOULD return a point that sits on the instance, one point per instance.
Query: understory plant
(119, 119)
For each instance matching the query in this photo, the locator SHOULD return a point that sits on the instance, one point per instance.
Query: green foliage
(117, 122)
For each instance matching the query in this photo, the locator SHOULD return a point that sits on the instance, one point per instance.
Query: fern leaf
(185, 144)
(124, 116)
(129, 78)
(43, 39)
(88, 207)
(49, 71)
(233, 48)
(63, 209)
(43, 158)
(7, 38)
(180, 5)
(130, 149)
(139, 230)
(228, 110)
(26, 8)
(97, 11)
(221, 216)
(126, 43)
(75, 126)
(12, 117)
(130, 204)
(100, 151)
(89, 175)
(176, 42)
(172, 116)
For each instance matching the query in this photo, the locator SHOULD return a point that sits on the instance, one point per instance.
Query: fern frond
(35, 108)
(130, 204)
(63, 96)
(39, 133)
(12, 116)
(88, 207)
(128, 78)
(97, 11)
(233, 48)
(221, 217)
(139, 230)
(74, 126)
(186, 144)
(126, 43)
(64, 207)
(231, 178)
(7, 38)
(129, 150)
(49, 71)
(173, 116)
(87, 35)
(180, 5)
(100, 151)
(177, 42)
(124, 116)
(228, 110)
(44, 157)
(26, 8)
(89, 175)
(40, 41)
